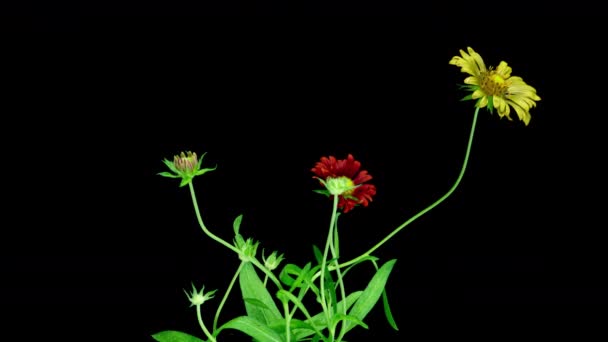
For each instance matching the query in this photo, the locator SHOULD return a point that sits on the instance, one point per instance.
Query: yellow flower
(496, 88)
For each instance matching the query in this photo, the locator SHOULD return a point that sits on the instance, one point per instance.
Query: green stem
(219, 308)
(216, 238)
(298, 304)
(424, 211)
(266, 271)
(324, 261)
(335, 256)
(202, 224)
(287, 321)
(200, 322)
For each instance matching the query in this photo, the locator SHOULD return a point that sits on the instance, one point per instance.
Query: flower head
(496, 88)
(248, 248)
(198, 298)
(273, 260)
(344, 178)
(185, 166)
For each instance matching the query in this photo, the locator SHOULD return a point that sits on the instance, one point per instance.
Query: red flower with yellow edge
(344, 178)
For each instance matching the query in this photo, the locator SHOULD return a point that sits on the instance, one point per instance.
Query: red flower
(348, 170)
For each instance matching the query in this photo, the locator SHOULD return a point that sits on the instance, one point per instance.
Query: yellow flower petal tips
(496, 88)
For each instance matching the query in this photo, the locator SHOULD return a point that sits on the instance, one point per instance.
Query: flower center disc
(493, 84)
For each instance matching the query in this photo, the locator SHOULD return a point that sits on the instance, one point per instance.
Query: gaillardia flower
(185, 166)
(496, 88)
(343, 178)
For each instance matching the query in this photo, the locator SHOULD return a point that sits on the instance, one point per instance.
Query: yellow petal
(524, 102)
(470, 63)
(504, 70)
(501, 106)
(477, 94)
(523, 114)
(483, 102)
(472, 80)
(465, 66)
(480, 65)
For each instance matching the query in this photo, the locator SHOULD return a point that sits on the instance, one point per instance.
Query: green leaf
(203, 171)
(387, 311)
(342, 317)
(236, 225)
(490, 104)
(467, 98)
(185, 180)
(200, 160)
(175, 336)
(305, 328)
(168, 174)
(371, 294)
(318, 254)
(256, 302)
(288, 270)
(385, 304)
(323, 192)
(252, 288)
(365, 258)
(252, 327)
(295, 326)
(319, 320)
(171, 166)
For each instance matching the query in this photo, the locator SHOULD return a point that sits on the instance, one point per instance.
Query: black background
(96, 246)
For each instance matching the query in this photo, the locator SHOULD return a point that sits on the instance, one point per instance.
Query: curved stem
(226, 244)
(202, 224)
(424, 211)
(219, 308)
(200, 322)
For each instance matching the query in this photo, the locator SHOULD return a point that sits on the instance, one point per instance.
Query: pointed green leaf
(236, 225)
(490, 104)
(185, 181)
(387, 311)
(203, 171)
(372, 293)
(253, 288)
(319, 321)
(295, 325)
(175, 336)
(306, 328)
(200, 160)
(466, 98)
(342, 317)
(323, 192)
(252, 327)
(168, 174)
(256, 302)
(171, 166)
(318, 254)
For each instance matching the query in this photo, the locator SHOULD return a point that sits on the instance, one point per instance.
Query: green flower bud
(248, 248)
(185, 166)
(198, 298)
(273, 260)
